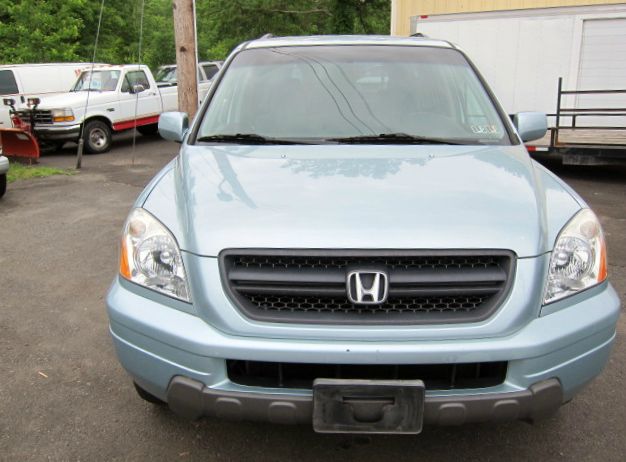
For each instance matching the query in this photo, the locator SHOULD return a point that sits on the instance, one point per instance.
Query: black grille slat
(403, 291)
(41, 116)
(284, 275)
(291, 290)
(435, 376)
(338, 276)
(310, 286)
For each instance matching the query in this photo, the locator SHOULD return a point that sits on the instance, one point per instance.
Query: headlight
(578, 260)
(62, 115)
(150, 256)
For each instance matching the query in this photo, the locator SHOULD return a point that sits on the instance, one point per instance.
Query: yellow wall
(402, 10)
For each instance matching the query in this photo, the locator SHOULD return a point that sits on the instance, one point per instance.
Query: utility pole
(187, 73)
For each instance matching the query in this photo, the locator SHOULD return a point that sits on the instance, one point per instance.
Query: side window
(8, 85)
(135, 78)
(210, 70)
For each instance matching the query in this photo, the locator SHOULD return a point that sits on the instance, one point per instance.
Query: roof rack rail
(267, 36)
(418, 34)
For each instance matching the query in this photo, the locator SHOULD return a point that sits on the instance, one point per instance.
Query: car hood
(76, 99)
(357, 197)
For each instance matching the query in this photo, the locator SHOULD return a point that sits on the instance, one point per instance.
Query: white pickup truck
(120, 98)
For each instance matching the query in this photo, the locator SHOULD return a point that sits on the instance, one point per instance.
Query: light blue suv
(354, 236)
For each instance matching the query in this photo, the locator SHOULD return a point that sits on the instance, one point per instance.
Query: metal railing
(573, 113)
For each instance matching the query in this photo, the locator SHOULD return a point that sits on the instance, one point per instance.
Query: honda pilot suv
(354, 236)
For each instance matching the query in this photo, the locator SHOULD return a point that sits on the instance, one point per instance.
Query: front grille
(310, 286)
(342, 305)
(434, 376)
(40, 116)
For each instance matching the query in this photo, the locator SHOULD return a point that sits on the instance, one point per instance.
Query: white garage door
(603, 67)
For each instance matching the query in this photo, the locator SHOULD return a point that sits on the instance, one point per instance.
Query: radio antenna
(81, 141)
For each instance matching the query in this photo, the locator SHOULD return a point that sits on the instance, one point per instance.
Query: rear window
(8, 85)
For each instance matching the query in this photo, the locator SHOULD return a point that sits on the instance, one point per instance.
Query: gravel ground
(63, 395)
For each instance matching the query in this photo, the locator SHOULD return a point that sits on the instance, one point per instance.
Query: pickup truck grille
(41, 116)
(424, 287)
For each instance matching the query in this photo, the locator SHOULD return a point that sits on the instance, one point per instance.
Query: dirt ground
(64, 396)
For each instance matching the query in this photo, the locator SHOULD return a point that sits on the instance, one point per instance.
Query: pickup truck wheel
(97, 137)
(3, 184)
(143, 394)
(148, 130)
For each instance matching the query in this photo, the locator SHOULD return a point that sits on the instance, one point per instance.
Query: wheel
(148, 130)
(149, 397)
(3, 184)
(97, 137)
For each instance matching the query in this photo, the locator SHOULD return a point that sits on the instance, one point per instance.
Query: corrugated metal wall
(402, 10)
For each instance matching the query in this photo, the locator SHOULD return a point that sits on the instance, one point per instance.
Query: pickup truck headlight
(62, 115)
(578, 260)
(150, 256)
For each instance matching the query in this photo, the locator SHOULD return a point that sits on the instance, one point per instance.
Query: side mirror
(530, 125)
(173, 126)
(137, 88)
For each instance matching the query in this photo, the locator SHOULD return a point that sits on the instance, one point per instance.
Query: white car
(103, 101)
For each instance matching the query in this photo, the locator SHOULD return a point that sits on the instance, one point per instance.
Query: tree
(223, 25)
(36, 31)
(65, 30)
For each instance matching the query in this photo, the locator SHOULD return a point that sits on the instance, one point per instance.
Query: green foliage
(222, 25)
(65, 30)
(34, 31)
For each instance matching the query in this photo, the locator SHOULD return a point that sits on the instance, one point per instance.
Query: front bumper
(58, 133)
(192, 399)
(173, 353)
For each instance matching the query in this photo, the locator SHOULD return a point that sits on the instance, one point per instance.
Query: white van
(23, 81)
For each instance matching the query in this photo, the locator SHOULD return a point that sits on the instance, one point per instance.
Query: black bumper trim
(193, 400)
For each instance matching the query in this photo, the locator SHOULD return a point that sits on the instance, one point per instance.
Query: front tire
(146, 396)
(97, 137)
(3, 184)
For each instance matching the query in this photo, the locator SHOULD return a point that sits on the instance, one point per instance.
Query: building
(403, 10)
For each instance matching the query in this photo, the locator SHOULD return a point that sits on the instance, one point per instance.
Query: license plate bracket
(368, 406)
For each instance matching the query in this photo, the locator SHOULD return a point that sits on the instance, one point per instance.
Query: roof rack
(267, 36)
(418, 34)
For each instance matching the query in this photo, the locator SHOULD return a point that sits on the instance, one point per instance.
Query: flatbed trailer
(599, 142)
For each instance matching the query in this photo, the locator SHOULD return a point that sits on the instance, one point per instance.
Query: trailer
(569, 62)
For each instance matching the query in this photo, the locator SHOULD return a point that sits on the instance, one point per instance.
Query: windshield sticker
(484, 129)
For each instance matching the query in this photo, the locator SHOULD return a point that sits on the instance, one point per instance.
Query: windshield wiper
(247, 138)
(392, 138)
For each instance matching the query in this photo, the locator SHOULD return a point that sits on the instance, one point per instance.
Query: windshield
(333, 92)
(97, 80)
